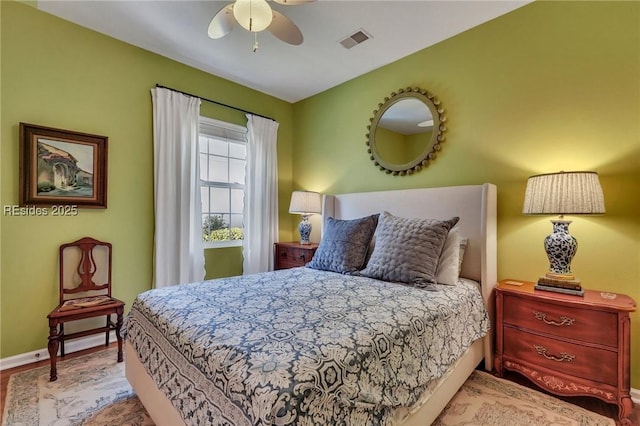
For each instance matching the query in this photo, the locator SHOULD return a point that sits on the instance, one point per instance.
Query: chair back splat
(87, 267)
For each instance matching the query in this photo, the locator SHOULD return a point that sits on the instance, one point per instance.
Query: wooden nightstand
(568, 345)
(290, 255)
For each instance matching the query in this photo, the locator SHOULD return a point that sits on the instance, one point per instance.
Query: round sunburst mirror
(406, 131)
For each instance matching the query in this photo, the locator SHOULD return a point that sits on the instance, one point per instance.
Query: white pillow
(463, 247)
(449, 263)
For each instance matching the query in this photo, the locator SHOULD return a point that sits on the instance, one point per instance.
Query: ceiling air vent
(354, 39)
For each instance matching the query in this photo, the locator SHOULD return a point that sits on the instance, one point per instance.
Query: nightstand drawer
(576, 360)
(560, 320)
(292, 255)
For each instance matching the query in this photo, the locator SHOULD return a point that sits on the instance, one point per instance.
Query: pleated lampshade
(564, 193)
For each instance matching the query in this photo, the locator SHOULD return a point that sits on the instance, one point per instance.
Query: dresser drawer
(563, 321)
(595, 364)
(291, 255)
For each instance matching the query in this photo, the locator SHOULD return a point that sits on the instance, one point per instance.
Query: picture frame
(62, 167)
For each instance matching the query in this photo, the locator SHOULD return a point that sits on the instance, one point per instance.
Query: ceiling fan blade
(222, 23)
(284, 28)
(293, 2)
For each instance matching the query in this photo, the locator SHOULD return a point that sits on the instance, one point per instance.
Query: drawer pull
(563, 355)
(563, 320)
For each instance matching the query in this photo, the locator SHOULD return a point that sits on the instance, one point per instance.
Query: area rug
(92, 390)
(488, 400)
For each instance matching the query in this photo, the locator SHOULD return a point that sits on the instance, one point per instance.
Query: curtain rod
(214, 102)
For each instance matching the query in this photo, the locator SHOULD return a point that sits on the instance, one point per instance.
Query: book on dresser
(560, 285)
(563, 290)
(573, 284)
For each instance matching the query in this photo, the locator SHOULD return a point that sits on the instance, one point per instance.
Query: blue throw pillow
(344, 245)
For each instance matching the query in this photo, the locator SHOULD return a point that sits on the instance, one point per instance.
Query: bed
(282, 347)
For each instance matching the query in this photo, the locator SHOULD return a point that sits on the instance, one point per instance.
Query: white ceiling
(178, 30)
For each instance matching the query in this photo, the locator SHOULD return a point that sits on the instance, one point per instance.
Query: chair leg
(119, 322)
(53, 349)
(61, 338)
(106, 340)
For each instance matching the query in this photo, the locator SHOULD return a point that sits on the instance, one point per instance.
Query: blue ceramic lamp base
(305, 229)
(560, 247)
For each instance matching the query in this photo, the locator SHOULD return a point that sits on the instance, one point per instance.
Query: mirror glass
(406, 132)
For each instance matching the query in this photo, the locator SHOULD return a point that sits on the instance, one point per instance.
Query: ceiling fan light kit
(253, 15)
(256, 16)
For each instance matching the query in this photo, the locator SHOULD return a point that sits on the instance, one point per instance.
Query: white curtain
(261, 195)
(178, 247)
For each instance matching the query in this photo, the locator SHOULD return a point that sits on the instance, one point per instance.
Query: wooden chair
(84, 299)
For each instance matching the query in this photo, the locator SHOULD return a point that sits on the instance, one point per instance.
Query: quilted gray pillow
(344, 245)
(407, 249)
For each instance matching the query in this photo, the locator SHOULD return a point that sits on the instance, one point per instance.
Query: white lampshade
(253, 15)
(305, 202)
(564, 193)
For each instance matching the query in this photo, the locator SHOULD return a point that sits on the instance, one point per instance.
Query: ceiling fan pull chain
(255, 44)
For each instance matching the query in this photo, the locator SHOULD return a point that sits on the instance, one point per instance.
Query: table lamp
(559, 194)
(305, 203)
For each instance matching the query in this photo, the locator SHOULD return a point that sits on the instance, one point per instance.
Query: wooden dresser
(568, 345)
(290, 255)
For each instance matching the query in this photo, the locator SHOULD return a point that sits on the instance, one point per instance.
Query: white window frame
(212, 127)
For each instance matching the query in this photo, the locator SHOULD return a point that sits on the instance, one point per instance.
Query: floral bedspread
(300, 346)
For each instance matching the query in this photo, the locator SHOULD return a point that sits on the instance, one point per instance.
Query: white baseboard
(70, 346)
(635, 395)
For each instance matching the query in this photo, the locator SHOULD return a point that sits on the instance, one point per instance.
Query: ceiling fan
(256, 16)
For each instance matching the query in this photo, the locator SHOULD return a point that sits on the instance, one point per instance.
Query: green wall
(551, 86)
(61, 75)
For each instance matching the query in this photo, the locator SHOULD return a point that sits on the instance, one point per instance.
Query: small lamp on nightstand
(563, 193)
(305, 203)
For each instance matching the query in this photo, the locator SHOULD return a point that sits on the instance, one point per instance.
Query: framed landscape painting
(62, 167)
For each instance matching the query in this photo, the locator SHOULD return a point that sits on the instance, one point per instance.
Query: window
(223, 153)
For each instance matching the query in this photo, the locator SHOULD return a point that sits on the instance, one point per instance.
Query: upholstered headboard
(474, 204)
